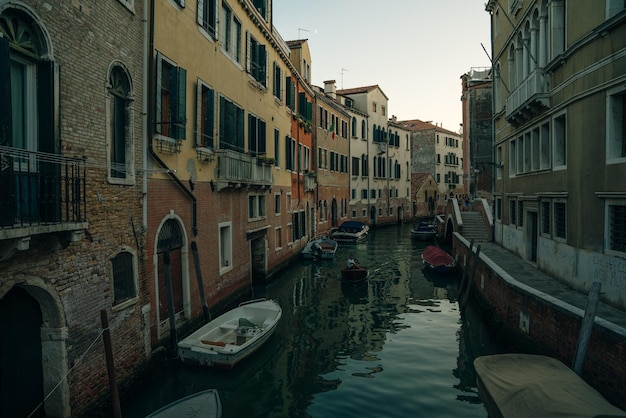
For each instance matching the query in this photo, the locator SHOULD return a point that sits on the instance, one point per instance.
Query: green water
(395, 345)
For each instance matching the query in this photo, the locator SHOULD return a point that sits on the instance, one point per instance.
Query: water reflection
(393, 345)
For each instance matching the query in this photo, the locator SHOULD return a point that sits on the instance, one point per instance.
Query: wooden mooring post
(586, 327)
(108, 351)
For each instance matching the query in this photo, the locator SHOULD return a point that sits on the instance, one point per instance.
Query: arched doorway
(373, 215)
(21, 380)
(171, 257)
(400, 214)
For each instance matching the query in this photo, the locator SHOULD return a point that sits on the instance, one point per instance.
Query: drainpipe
(493, 138)
(171, 173)
(144, 120)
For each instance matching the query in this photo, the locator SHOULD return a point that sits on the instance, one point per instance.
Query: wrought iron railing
(39, 188)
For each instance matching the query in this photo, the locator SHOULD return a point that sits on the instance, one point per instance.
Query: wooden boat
(351, 231)
(524, 385)
(423, 232)
(233, 336)
(205, 404)
(438, 260)
(355, 273)
(320, 248)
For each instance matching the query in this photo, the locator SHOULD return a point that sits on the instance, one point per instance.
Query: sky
(415, 50)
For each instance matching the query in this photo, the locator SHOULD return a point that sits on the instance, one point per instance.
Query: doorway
(532, 235)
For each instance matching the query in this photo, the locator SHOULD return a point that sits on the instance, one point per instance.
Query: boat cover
(524, 385)
(436, 256)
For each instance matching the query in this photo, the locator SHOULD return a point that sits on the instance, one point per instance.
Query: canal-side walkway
(558, 292)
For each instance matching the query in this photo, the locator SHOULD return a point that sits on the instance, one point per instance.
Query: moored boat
(438, 260)
(319, 248)
(351, 231)
(355, 273)
(423, 232)
(525, 385)
(205, 404)
(233, 336)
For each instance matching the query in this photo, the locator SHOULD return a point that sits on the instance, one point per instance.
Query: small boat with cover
(423, 232)
(351, 231)
(438, 260)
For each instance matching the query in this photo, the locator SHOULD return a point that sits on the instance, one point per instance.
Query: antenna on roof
(301, 30)
(343, 70)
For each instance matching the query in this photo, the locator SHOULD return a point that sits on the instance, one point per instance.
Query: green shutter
(181, 104)
(158, 114)
(262, 138)
(7, 187)
(251, 133)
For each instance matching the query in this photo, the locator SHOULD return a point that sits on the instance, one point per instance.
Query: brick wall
(552, 329)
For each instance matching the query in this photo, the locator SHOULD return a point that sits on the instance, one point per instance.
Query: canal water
(395, 345)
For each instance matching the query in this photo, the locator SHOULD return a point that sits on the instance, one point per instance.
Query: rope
(69, 371)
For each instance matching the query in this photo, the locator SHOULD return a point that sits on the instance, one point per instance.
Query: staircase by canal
(474, 228)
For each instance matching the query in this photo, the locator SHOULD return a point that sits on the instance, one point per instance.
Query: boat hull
(328, 247)
(224, 342)
(354, 274)
(205, 404)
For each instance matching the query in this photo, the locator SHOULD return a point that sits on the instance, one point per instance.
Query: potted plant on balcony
(264, 159)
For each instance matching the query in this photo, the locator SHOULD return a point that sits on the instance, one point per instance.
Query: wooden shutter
(7, 187)
(158, 111)
(180, 108)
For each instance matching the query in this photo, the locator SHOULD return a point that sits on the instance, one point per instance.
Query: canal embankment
(546, 314)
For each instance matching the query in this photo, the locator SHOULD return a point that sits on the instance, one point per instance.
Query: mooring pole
(170, 302)
(108, 351)
(470, 251)
(586, 328)
(470, 279)
(196, 263)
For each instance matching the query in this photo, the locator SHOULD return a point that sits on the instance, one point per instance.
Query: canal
(395, 345)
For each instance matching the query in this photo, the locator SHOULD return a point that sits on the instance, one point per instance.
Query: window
(545, 146)
(231, 126)
(277, 147)
(557, 21)
(355, 166)
(520, 213)
(613, 7)
(352, 194)
(278, 79)
(261, 7)
(363, 130)
(363, 193)
(277, 204)
(290, 94)
(290, 153)
(560, 220)
(256, 134)
(123, 277)
(617, 226)
(512, 211)
(120, 127)
(205, 116)
(512, 158)
(545, 218)
(230, 32)
(305, 109)
(616, 125)
(225, 247)
(256, 206)
(256, 60)
(353, 127)
(28, 88)
(207, 16)
(560, 141)
(499, 208)
(170, 118)
(278, 238)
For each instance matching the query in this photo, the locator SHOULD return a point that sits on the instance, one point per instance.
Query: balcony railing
(235, 169)
(529, 98)
(309, 183)
(40, 190)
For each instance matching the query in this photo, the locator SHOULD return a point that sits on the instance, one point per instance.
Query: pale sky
(415, 50)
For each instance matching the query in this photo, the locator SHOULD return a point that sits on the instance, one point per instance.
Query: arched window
(123, 267)
(353, 127)
(29, 126)
(120, 114)
(363, 130)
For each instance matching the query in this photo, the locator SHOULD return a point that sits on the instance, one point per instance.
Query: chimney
(330, 89)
